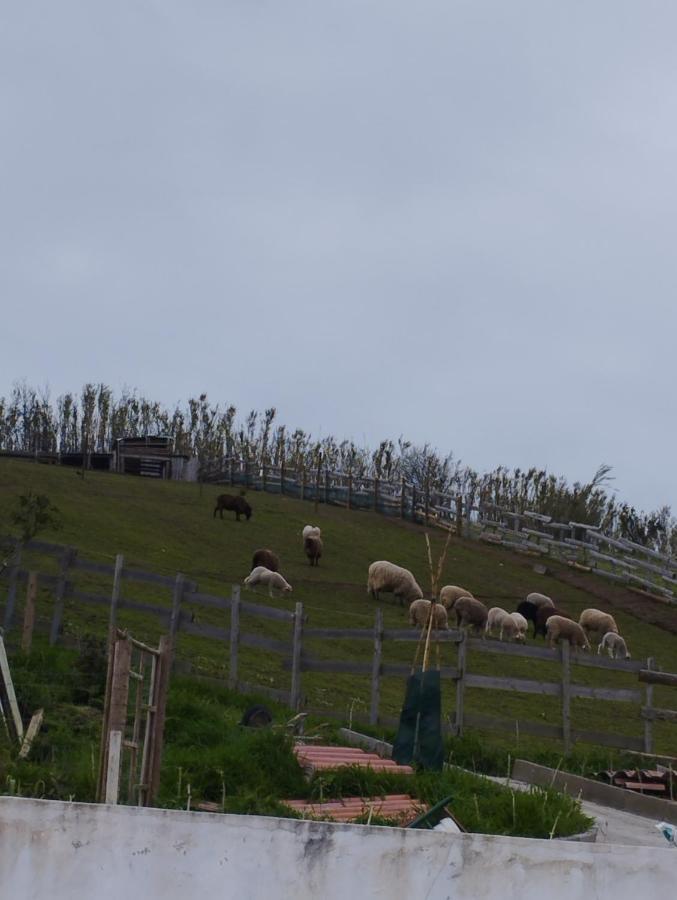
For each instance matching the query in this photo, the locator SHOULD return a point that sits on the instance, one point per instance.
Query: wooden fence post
(11, 588)
(350, 490)
(115, 597)
(376, 485)
(174, 621)
(297, 647)
(230, 470)
(402, 497)
(282, 474)
(459, 516)
(566, 695)
(648, 724)
(29, 612)
(303, 482)
(426, 501)
(113, 767)
(413, 503)
(67, 560)
(234, 636)
(376, 667)
(115, 705)
(161, 689)
(326, 487)
(263, 476)
(460, 683)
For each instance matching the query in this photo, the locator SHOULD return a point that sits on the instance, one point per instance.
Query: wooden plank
(297, 649)
(650, 677)
(234, 636)
(159, 701)
(246, 687)
(376, 667)
(566, 695)
(67, 559)
(148, 577)
(205, 631)
(604, 662)
(654, 714)
(29, 612)
(512, 726)
(265, 643)
(210, 600)
(648, 703)
(120, 685)
(310, 664)
(404, 670)
(412, 634)
(7, 695)
(118, 570)
(620, 741)
(150, 608)
(620, 695)
(503, 647)
(340, 633)
(46, 547)
(85, 565)
(31, 732)
(85, 597)
(523, 685)
(113, 767)
(266, 612)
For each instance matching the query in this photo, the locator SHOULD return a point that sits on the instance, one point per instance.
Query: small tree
(32, 514)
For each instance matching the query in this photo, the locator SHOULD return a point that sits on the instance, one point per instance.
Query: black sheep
(237, 504)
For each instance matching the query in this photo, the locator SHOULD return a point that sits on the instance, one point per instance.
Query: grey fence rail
(523, 532)
(297, 660)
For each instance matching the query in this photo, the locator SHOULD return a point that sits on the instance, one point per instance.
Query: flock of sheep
(552, 623)
(266, 564)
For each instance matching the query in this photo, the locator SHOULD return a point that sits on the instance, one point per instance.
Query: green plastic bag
(419, 737)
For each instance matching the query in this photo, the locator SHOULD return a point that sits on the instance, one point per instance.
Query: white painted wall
(77, 851)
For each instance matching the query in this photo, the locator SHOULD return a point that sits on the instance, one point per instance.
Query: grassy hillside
(168, 527)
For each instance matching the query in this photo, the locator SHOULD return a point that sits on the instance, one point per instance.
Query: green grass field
(167, 527)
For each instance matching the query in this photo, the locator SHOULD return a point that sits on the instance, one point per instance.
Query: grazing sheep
(419, 611)
(266, 558)
(560, 629)
(539, 615)
(237, 504)
(313, 547)
(472, 613)
(614, 645)
(450, 594)
(261, 575)
(386, 576)
(539, 599)
(311, 531)
(596, 622)
(522, 626)
(506, 624)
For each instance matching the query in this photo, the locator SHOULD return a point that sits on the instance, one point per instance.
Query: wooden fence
(296, 659)
(524, 532)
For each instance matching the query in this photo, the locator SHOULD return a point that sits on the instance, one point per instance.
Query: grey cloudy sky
(449, 220)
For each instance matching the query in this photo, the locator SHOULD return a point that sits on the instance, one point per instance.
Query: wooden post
(303, 481)
(174, 621)
(317, 484)
(115, 705)
(326, 487)
(234, 636)
(13, 577)
(566, 695)
(375, 494)
(161, 689)
(413, 503)
(67, 559)
(460, 684)
(282, 474)
(648, 724)
(230, 470)
(263, 476)
(113, 767)
(115, 599)
(9, 708)
(29, 612)
(350, 490)
(403, 497)
(459, 516)
(426, 500)
(297, 647)
(376, 667)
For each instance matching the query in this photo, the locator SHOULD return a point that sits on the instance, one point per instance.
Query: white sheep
(261, 575)
(614, 645)
(506, 624)
(419, 611)
(560, 629)
(386, 576)
(522, 625)
(450, 594)
(596, 622)
(539, 599)
(311, 531)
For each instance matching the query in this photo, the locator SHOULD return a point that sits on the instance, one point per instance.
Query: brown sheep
(471, 612)
(596, 622)
(313, 547)
(266, 558)
(560, 629)
(237, 504)
(419, 612)
(450, 594)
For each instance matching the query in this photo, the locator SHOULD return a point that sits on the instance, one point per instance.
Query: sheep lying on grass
(419, 611)
(386, 576)
(450, 594)
(262, 575)
(539, 599)
(596, 622)
(313, 548)
(266, 558)
(614, 645)
(471, 613)
(560, 629)
(508, 626)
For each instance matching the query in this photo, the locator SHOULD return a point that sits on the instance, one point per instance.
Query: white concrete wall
(79, 851)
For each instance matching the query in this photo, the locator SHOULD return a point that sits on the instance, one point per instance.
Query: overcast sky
(449, 220)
